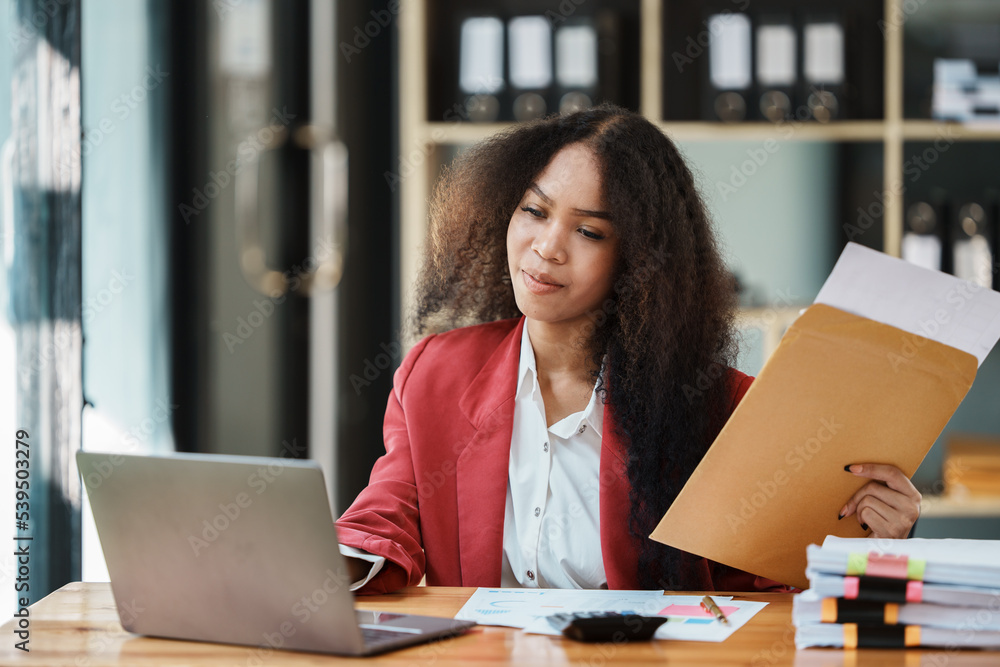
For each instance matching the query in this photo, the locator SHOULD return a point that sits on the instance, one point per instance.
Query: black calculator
(606, 626)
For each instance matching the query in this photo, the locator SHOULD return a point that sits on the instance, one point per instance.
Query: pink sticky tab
(914, 591)
(693, 610)
(851, 587)
(887, 565)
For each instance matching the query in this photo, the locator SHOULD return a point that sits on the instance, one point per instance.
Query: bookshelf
(425, 144)
(421, 139)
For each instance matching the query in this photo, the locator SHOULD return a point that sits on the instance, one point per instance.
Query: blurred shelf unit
(842, 131)
(945, 506)
(652, 56)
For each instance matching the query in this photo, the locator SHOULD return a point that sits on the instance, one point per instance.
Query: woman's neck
(560, 349)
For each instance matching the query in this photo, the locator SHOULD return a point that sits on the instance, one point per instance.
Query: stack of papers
(529, 608)
(867, 592)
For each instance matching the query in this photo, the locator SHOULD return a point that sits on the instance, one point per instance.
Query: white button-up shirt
(552, 528)
(551, 532)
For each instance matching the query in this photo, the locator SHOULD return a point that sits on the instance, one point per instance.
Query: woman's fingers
(877, 490)
(882, 519)
(891, 500)
(890, 474)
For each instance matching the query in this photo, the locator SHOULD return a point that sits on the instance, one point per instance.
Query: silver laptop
(234, 549)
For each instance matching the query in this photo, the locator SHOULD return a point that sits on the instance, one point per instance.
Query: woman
(540, 446)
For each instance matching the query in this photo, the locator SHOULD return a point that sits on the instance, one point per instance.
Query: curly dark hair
(669, 326)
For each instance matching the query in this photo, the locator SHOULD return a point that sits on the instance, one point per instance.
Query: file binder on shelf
(956, 184)
(504, 61)
(776, 67)
(823, 69)
(730, 59)
(529, 46)
(923, 233)
(972, 256)
(481, 70)
(576, 68)
(774, 60)
(945, 231)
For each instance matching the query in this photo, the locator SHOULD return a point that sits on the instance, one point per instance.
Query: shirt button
(538, 510)
(583, 427)
(531, 575)
(545, 447)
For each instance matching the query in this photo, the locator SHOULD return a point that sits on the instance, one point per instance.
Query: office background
(184, 183)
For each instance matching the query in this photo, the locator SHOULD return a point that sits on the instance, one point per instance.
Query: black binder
(730, 39)
(823, 67)
(776, 69)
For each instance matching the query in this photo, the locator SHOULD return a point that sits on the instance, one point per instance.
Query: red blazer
(435, 502)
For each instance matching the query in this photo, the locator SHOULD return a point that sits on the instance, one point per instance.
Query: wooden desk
(78, 625)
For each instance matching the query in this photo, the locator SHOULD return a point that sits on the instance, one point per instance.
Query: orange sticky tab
(911, 636)
(891, 613)
(828, 612)
(850, 635)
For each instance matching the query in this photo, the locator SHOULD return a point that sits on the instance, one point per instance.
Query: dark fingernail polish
(839, 517)
(864, 526)
(847, 468)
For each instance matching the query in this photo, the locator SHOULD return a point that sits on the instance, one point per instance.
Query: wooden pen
(708, 604)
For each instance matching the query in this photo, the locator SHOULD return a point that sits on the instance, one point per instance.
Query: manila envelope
(839, 389)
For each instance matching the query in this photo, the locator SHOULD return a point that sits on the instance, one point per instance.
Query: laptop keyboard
(375, 636)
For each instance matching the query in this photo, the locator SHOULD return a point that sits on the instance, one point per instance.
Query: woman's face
(561, 246)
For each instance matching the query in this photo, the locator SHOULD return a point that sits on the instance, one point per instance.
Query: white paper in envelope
(931, 304)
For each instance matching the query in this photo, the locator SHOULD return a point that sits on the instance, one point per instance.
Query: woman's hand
(889, 504)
